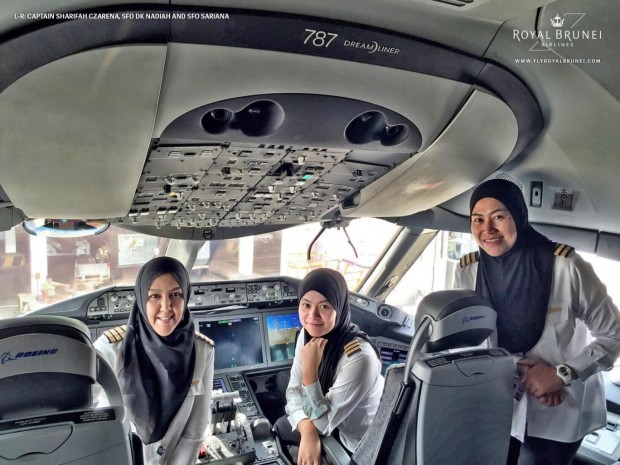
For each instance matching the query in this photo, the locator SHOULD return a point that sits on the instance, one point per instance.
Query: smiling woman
(547, 299)
(164, 304)
(165, 368)
(336, 381)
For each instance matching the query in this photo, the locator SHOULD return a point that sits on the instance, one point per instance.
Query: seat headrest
(459, 318)
(48, 365)
(45, 324)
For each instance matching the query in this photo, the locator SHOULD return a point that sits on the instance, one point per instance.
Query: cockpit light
(65, 227)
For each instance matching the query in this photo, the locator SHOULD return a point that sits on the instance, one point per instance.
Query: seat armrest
(334, 453)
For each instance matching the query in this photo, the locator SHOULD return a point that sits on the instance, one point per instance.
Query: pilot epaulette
(205, 338)
(563, 250)
(468, 259)
(352, 347)
(115, 334)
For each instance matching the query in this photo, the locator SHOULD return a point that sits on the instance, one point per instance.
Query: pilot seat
(47, 370)
(443, 406)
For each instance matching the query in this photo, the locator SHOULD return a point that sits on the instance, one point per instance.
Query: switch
(536, 193)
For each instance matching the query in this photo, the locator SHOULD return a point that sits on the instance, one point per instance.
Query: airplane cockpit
(257, 142)
(254, 324)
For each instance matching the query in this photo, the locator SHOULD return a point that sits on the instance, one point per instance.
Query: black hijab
(518, 282)
(333, 287)
(158, 370)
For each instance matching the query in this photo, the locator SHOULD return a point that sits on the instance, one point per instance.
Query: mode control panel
(204, 295)
(264, 292)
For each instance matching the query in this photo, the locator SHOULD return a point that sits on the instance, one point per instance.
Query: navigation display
(238, 342)
(391, 356)
(281, 330)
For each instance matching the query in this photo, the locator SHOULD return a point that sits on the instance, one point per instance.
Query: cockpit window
(286, 252)
(432, 271)
(36, 271)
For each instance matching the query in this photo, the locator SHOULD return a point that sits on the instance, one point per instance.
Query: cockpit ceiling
(117, 126)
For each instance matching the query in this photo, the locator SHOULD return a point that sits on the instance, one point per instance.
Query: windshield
(36, 271)
(285, 252)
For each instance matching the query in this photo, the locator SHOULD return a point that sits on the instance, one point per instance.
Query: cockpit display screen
(237, 341)
(391, 356)
(219, 385)
(281, 329)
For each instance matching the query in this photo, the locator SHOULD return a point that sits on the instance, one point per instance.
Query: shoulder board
(204, 338)
(352, 347)
(563, 250)
(471, 257)
(115, 334)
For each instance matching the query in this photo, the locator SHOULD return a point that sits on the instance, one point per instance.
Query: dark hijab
(158, 370)
(518, 282)
(333, 287)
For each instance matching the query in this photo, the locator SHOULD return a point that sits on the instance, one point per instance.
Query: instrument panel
(271, 300)
(117, 303)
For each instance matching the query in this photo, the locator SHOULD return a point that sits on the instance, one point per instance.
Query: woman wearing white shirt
(336, 381)
(164, 366)
(549, 302)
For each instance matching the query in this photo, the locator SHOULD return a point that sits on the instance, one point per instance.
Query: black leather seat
(48, 369)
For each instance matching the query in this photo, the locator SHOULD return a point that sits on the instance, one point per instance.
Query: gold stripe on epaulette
(352, 348)
(563, 250)
(121, 330)
(204, 338)
(115, 334)
(468, 259)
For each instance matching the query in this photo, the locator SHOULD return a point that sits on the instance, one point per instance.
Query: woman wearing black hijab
(336, 381)
(548, 302)
(164, 367)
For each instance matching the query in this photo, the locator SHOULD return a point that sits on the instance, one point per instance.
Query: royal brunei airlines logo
(567, 31)
(557, 21)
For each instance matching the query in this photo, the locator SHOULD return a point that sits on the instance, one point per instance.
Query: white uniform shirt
(582, 330)
(187, 430)
(350, 404)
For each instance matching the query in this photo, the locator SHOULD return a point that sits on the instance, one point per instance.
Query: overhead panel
(241, 183)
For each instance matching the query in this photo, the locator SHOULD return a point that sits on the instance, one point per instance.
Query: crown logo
(556, 21)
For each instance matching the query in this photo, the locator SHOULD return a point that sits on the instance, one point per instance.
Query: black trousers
(289, 440)
(282, 428)
(538, 451)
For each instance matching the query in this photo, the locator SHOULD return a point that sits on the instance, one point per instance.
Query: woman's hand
(553, 398)
(540, 380)
(311, 355)
(310, 445)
